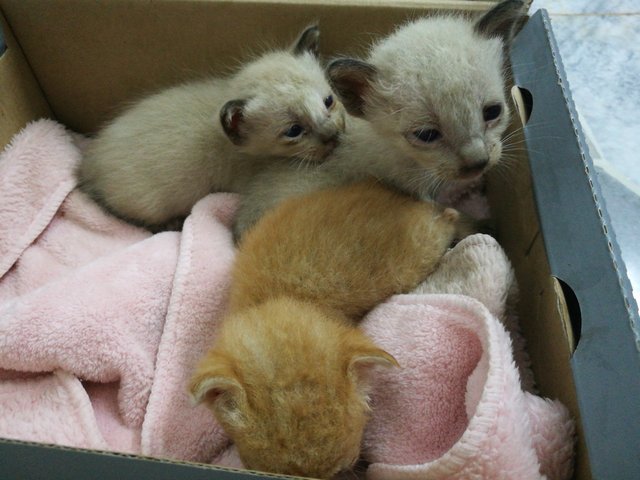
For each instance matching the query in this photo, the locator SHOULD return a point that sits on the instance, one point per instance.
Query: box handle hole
(569, 308)
(524, 102)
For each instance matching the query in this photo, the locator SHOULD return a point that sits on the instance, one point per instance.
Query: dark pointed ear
(352, 80)
(233, 121)
(501, 21)
(308, 41)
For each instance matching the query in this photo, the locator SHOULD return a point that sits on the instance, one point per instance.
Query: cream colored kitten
(156, 160)
(428, 108)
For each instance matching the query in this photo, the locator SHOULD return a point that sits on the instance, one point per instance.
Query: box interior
(78, 61)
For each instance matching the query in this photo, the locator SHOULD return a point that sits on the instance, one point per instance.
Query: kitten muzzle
(473, 169)
(330, 143)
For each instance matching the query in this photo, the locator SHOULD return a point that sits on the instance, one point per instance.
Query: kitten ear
(364, 361)
(352, 80)
(308, 41)
(501, 20)
(215, 385)
(369, 358)
(233, 121)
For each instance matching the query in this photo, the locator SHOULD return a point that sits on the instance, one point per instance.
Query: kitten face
(450, 112)
(286, 381)
(435, 90)
(288, 108)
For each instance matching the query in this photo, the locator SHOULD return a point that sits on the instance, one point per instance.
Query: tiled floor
(599, 41)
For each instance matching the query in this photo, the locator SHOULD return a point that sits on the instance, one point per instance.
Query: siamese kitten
(427, 106)
(151, 164)
(287, 376)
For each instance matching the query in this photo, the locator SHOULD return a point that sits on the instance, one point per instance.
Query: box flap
(584, 255)
(35, 461)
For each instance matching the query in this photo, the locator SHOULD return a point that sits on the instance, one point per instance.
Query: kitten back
(345, 248)
(165, 152)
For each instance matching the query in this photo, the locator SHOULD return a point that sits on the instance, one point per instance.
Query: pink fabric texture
(478, 267)
(457, 409)
(102, 323)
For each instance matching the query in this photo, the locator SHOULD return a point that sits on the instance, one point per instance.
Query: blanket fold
(456, 409)
(83, 304)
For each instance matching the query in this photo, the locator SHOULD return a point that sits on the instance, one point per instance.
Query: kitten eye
(328, 101)
(294, 131)
(491, 112)
(427, 135)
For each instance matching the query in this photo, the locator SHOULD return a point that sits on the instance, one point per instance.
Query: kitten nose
(327, 130)
(329, 139)
(330, 144)
(328, 134)
(474, 167)
(474, 158)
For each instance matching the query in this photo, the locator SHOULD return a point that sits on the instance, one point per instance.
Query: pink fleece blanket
(101, 325)
(459, 407)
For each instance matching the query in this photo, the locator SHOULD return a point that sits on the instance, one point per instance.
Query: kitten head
(435, 90)
(288, 383)
(285, 107)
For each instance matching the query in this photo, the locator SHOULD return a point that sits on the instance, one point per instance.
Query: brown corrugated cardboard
(21, 99)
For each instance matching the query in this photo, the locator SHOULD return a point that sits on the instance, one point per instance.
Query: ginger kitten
(345, 248)
(428, 108)
(288, 383)
(152, 163)
(288, 374)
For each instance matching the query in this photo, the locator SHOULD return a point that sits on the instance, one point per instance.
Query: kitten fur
(288, 383)
(152, 163)
(427, 108)
(287, 376)
(346, 248)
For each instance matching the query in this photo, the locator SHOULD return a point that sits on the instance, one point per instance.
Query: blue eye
(427, 136)
(294, 131)
(328, 101)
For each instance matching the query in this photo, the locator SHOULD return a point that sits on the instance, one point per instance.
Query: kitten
(345, 248)
(287, 376)
(428, 108)
(156, 160)
(288, 383)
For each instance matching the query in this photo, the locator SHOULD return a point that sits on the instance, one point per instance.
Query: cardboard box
(76, 60)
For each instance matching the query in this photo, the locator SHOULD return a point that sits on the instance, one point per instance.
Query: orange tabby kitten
(287, 376)
(347, 248)
(288, 383)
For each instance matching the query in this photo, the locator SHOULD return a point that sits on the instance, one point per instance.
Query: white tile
(603, 70)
